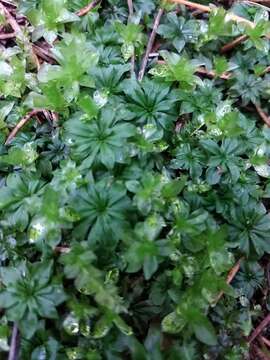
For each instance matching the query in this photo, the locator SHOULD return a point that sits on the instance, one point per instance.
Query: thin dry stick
(18, 31)
(12, 21)
(230, 278)
(150, 44)
(231, 45)
(211, 74)
(130, 8)
(259, 328)
(266, 70)
(85, 10)
(230, 16)
(7, 36)
(44, 54)
(258, 1)
(265, 341)
(263, 115)
(13, 352)
(9, 3)
(260, 355)
(21, 123)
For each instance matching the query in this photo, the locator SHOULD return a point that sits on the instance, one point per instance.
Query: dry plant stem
(197, 13)
(55, 117)
(7, 36)
(13, 353)
(263, 115)
(259, 328)
(85, 10)
(44, 54)
(18, 31)
(230, 278)
(21, 123)
(259, 1)
(211, 74)
(12, 21)
(266, 70)
(9, 3)
(150, 44)
(204, 8)
(130, 8)
(265, 341)
(260, 355)
(231, 45)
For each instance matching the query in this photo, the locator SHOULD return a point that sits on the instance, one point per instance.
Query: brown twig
(150, 44)
(263, 115)
(7, 36)
(44, 54)
(85, 10)
(14, 346)
(204, 8)
(130, 8)
(21, 123)
(12, 21)
(231, 45)
(197, 12)
(18, 31)
(259, 1)
(265, 341)
(266, 70)
(260, 355)
(259, 328)
(212, 74)
(231, 275)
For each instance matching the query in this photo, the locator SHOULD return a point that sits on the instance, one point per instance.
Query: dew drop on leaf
(71, 324)
(100, 98)
(4, 344)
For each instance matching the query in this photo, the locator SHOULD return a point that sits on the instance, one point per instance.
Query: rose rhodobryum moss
(124, 203)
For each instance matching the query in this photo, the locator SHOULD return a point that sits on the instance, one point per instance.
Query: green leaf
(205, 332)
(173, 323)
(173, 188)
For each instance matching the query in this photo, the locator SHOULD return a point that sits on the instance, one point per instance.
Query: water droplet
(11, 240)
(244, 301)
(30, 154)
(70, 141)
(215, 131)
(71, 324)
(175, 256)
(263, 170)
(37, 231)
(100, 98)
(4, 344)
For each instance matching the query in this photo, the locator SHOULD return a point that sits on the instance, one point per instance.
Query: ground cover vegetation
(134, 180)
